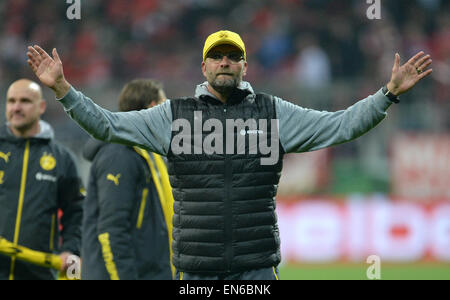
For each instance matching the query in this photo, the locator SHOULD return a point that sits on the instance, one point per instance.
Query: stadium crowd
(320, 54)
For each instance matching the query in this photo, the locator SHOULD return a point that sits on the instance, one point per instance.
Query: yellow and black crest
(48, 162)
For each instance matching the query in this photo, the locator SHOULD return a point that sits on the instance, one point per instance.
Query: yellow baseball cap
(223, 37)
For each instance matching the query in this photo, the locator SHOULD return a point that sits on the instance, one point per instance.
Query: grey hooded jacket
(300, 129)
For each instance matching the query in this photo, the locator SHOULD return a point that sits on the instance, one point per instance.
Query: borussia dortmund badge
(48, 162)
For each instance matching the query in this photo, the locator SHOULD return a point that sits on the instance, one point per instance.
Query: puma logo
(5, 156)
(113, 178)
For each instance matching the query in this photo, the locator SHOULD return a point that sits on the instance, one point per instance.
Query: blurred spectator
(312, 66)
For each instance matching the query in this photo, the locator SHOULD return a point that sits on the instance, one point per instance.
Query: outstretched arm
(149, 129)
(49, 70)
(307, 130)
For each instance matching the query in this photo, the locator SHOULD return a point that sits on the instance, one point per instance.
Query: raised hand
(405, 77)
(49, 70)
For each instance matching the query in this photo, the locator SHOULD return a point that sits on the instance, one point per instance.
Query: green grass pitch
(343, 271)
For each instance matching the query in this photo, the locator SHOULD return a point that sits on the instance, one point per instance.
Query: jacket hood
(202, 89)
(91, 149)
(46, 132)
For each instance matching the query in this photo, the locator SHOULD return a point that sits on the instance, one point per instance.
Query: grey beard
(225, 88)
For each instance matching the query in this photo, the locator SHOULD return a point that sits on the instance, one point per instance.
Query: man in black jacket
(125, 235)
(38, 178)
(225, 147)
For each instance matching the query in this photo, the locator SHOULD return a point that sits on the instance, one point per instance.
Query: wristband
(390, 96)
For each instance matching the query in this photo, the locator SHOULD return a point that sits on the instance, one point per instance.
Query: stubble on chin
(224, 85)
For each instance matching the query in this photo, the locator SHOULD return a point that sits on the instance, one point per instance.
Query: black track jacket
(124, 230)
(38, 178)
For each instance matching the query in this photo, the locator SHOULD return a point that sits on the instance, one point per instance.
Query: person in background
(128, 220)
(38, 178)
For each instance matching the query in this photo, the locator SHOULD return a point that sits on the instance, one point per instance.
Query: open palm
(49, 70)
(408, 75)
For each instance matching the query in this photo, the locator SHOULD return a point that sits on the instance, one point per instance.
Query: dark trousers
(257, 274)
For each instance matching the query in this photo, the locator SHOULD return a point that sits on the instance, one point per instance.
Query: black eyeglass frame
(234, 57)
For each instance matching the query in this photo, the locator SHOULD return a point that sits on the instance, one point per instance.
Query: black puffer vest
(225, 218)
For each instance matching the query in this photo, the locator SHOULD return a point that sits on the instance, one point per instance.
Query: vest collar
(243, 90)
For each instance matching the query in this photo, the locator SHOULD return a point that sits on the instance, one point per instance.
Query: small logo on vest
(113, 178)
(48, 162)
(244, 132)
(5, 156)
(46, 177)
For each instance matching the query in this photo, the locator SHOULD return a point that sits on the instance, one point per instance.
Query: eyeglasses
(234, 57)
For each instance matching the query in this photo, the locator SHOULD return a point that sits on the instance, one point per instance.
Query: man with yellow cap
(224, 147)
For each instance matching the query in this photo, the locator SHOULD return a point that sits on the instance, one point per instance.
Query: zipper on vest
(228, 204)
(228, 215)
(23, 182)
